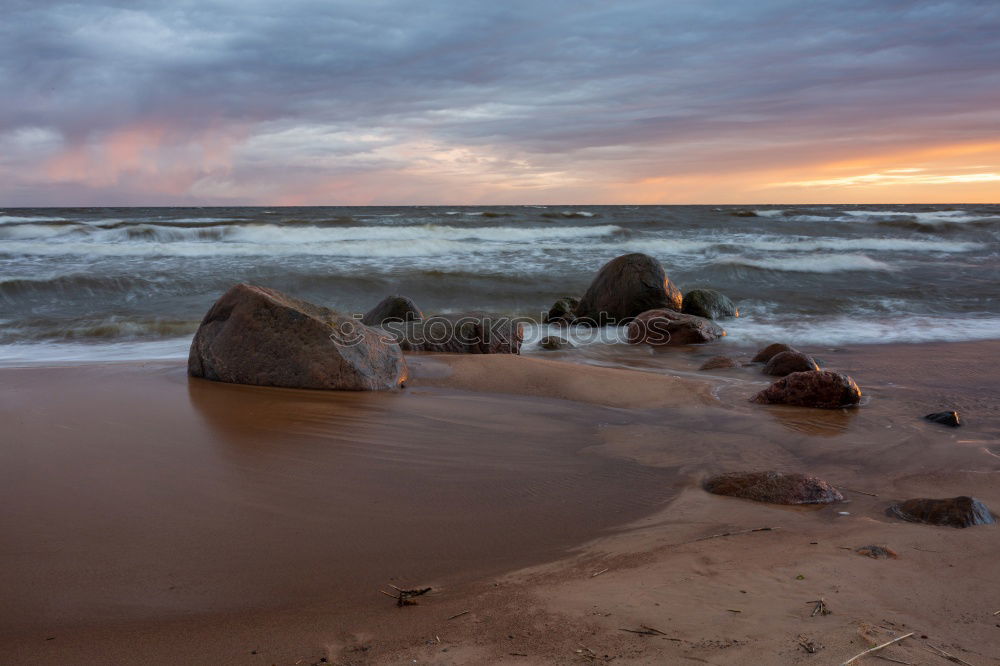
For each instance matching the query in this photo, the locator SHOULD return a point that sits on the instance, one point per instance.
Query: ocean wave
(849, 329)
(817, 263)
(19, 219)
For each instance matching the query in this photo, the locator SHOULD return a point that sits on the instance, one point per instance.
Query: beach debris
(946, 655)
(734, 610)
(708, 303)
(667, 327)
(876, 648)
(788, 362)
(590, 655)
(645, 630)
(254, 335)
(816, 388)
(945, 418)
(598, 573)
(717, 362)
(819, 607)
(860, 492)
(625, 287)
(392, 308)
(728, 534)
(770, 351)
(800, 577)
(877, 552)
(774, 487)
(459, 614)
(562, 311)
(809, 645)
(962, 511)
(554, 342)
(843, 513)
(405, 597)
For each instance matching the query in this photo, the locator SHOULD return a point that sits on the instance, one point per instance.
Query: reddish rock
(768, 352)
(720, 362)
(787, 362)
(626, 287)
(774, 487)
(961, 511)
(816, 388)
(392, 308)
(472, 333)
(668, 327)
(255, 335)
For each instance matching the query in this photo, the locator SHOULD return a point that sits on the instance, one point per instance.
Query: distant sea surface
(80, 284)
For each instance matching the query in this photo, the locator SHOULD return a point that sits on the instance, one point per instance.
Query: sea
(109, 284)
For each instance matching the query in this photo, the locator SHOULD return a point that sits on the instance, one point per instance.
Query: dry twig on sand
(726, 534)
(860, 492)
(945, 655)
(876, 649)
(459, 614)
(405, 597)
(594, 575)
(820, 608)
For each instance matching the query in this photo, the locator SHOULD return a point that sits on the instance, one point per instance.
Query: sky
(378, 102)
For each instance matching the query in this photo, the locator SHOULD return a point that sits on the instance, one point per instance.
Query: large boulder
(255, 335)
(471, 333)
(788, 362)
(774, 487)
(562, 311)
(392, 308)
(668, 327)
(708, 303)
(770, 351)
(945, 418)
(960, 511)
(816, 388)
(626, 287)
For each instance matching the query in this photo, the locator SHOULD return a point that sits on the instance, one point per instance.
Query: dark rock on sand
(562, 311)
(255, 335)
(768, 352)
(668, 327)
(952, 512)
(877, 552)
(774, 487)
(392, 308)
(708, 303)
(626, 287)
(720, 362)
(788, 362)
(471, 333)
(945, 418)
(816, 388)
(554, 342)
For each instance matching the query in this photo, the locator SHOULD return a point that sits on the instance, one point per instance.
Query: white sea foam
(816, 263)
(17, 219)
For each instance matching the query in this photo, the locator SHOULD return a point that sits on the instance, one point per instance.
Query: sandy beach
(554, 508)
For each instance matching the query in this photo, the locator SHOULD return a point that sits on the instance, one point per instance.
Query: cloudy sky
(383, 102)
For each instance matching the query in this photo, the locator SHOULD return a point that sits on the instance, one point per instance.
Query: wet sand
(154, 519)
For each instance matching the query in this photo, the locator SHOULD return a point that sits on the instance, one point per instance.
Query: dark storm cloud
(547, 79)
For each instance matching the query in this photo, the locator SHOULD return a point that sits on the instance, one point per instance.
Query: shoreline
(605, 423)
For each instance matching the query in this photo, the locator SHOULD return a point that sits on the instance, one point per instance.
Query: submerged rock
(768, 352)
(668, 327)
(472, 333)
(624, 288)
(720, 362)
(816, 388)
(255, 335)
(554, 342)
(960, 511)
(787, 362)
(392, 308)
(562, 311)
(708, 303)
(945, 418)
(774, 488)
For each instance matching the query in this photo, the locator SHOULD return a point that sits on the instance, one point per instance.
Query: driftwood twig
(949, 657)
(876, 649)
(405, 597)
(459, 614)
(726, 534)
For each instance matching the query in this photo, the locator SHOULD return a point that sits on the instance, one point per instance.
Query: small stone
(945, 418)
(774, 487)
(785, 363)
(877, 552)
(717, 362)
(554, 342)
